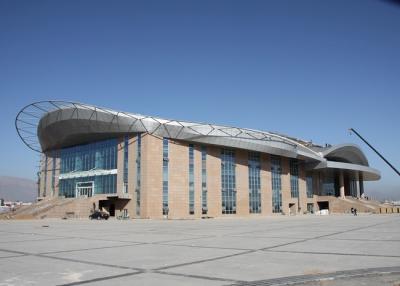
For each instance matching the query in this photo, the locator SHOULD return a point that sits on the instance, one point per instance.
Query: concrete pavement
(276, 250)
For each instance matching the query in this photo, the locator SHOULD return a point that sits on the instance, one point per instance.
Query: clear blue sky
(310, 69)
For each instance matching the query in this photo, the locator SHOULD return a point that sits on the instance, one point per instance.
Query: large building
(148, 167)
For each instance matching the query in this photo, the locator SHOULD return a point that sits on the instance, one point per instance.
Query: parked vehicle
(99, 215)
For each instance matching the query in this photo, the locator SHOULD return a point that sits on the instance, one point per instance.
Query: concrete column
(361, 184)
(214, 181)
(152, 171)
(285, 183)
(266, 185)
(178, 185)
(242, 183)
(302, 207)
(341, 185)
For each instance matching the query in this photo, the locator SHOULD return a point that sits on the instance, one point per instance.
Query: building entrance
(84, 189)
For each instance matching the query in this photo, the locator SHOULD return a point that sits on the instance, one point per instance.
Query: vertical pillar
(242, 183)
(214, 181)
(341, 184)
(266, 184)
(361, 184)
(285, 182)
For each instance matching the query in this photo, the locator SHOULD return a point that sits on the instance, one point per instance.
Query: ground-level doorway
(324, 205)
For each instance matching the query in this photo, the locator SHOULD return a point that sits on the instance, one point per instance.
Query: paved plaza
(279, 250)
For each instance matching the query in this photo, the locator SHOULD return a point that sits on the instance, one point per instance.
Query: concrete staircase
(344, 205)
(53, 208)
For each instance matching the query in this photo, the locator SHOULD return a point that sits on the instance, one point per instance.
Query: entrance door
(84, 189)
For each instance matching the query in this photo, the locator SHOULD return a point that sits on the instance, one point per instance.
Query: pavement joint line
(198, 276)
(301, 279)
(87, 249)
(204, 260)
(71, 260)
(94, 280)
(44, 239)
(331, 253)
(12, 256)
(322, 236)
(208, 247)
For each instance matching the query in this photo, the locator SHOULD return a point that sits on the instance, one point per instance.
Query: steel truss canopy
(48, 125)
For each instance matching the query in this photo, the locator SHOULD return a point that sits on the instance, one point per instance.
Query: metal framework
(50, 125)
(34, 118)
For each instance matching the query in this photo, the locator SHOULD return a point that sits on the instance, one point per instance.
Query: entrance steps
(53, 208)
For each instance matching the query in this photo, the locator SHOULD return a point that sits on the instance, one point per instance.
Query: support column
(341, 184)
(361, 183)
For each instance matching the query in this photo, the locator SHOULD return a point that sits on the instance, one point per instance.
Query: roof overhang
(61, 124)
(369, 174)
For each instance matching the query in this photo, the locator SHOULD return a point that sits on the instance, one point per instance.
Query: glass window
(309, 182)
(191, 179)
(138, 172)
(204, 179)
(254, 183)
(294, 178)
(165, 176)
(228, 180)
(276, 171)
(126, 154)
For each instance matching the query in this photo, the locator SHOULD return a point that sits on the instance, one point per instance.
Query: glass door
(84, 189)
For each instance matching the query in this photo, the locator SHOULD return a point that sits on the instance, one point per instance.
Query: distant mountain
(17, 189)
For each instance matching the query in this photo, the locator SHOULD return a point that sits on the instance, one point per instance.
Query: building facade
(147, 167)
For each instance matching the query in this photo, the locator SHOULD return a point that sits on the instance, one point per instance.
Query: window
(228, 180)
(276, 184)
(104, 184)
(165, 176)
(309, 183)
(138, 171)
(45, 176)
(101, 155)
(254, 183)
(191, 179)
(204, 179)
(294, 178)
(53, 174)
(98, 155)
(126, 154)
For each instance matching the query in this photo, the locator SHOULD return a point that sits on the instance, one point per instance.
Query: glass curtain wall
(228, 179)
(204, 179)
(101, 155)
(165, 177)
(138, 171)
(309, 183)
(254, 183)
(126, 161)
(191, 179)
(276, 171)
(294, 178)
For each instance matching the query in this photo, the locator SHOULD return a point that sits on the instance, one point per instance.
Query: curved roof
(48, 125)
(347, 153)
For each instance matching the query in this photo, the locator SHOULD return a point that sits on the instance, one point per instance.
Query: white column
(341, 184)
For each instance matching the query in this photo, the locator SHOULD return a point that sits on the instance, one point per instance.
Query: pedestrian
(355, 211)
(352, 210)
